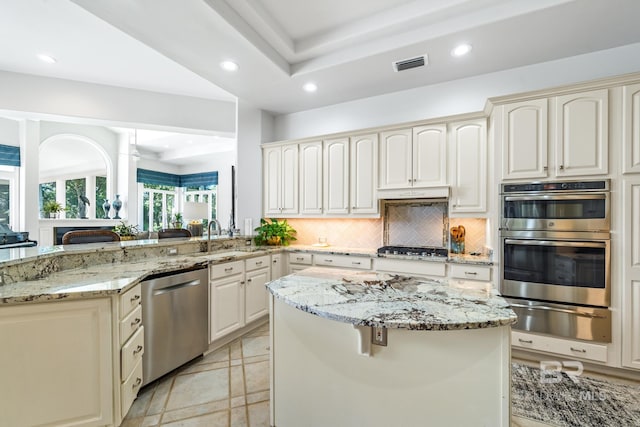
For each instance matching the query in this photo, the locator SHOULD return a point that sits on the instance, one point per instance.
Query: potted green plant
(177, 220)
(274, 232)
(52, 209)
(126, 231)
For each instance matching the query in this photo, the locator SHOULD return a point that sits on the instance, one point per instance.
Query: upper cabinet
(336, 176)
(413, 157)
(363, 168)
(468, 150)
(311, 178)
(631, 111)
(280, 174)
(582, 133)
(572, 141)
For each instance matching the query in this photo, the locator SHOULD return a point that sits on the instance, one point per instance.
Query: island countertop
(368, 298)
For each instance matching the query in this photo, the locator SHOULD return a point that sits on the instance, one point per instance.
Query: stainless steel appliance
(174, 315)
(421, 251)
(555, 252)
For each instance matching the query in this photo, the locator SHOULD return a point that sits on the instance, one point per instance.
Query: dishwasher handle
(176, 287)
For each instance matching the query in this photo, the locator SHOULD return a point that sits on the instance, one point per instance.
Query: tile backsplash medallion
(350, 233)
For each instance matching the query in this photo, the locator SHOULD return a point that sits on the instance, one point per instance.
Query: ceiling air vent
(406, 64)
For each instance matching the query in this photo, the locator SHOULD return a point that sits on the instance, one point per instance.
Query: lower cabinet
(57, 364)
(565, 347)
(435, 270)
(237, 294)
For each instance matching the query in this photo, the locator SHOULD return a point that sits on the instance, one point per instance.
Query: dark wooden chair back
(89, 236)
(169, 233)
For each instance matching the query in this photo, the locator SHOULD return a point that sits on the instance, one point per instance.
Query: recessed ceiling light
(229, 65)
(47, 58)
(461, 50)
(310, 87)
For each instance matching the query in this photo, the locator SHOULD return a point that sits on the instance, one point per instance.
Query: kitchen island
(446, 360)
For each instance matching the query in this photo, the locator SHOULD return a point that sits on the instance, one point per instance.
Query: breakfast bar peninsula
(444, 358)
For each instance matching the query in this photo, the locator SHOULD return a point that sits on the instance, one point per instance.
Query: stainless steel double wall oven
(555, 251)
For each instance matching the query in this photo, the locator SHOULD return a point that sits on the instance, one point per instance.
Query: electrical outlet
(172, 251)
(247, 242)
(379, 336)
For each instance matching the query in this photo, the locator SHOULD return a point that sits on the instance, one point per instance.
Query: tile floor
(226, 388)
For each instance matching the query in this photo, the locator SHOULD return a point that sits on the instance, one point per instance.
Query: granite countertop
(109, 279)
(376, 299)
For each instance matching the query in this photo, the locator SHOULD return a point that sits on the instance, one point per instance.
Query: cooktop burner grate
(413, 251)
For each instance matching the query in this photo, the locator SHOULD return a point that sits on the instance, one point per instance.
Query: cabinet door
(469, 166)
(227, 305)
(277, 266)
(272, 175)
(336, 176)
(311, 178)
(363, 174)
(289, 174)
(631, 160)
(395, 159)
(56, 364)
(429, 156)
(582, 133)
(631, 273)
(256, 295)
(524, 140)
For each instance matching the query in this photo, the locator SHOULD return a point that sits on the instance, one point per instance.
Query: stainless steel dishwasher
(174, 315)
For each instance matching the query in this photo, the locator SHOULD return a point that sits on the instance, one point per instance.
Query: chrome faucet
(218, 232)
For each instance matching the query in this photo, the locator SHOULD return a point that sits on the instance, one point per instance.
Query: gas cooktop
(425, 251)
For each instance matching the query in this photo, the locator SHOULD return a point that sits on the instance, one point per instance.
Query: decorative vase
(106, 207)
(117, 205)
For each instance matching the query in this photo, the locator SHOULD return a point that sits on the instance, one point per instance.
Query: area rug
(559, 396)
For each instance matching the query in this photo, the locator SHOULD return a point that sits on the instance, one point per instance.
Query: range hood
(414, 193)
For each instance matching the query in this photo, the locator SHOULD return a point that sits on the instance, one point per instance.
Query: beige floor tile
(259, 414)
(237, 381)
(151, 421)
(236, 362)
(198, 388)
(255, 359)
(131, 422)
(259, 396)
(235, 350)
(238, 401)
(217, 419)
(202, 366)
(257, 376)
(194, 411)
(140, 405)
(239, 417)
(255, 346)
(159, 399)
(219, 355)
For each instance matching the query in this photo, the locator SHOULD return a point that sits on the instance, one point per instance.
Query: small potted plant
(126, 231)
(274, 232)
(177, 220)
(52, 209)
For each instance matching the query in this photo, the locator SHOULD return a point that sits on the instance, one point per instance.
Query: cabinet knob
(561, 167)
(275, 261)
(137, 383)
(135, 322)
(248, 280)
(137, 350)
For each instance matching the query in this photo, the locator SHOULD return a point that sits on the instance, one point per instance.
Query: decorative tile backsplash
(406, 226)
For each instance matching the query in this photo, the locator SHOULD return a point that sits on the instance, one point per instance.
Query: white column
(91, 195)
(29, 177)
(253, 127)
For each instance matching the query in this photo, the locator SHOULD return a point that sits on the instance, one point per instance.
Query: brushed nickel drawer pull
(228, 269)
(299, 258)
(258, 262)
(136, 321)
(137, 383)
(525, 341)
(471, 273)
(137, 350)
(328, 260)
(356, 262)
(579, 350)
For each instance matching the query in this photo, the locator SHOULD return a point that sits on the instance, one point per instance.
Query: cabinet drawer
(130, 387)
(572, 348)
(131, 353)
(257, 262)
(217, 271)
(343, 261)
(471, 272)
(300, 259)
(130, 324)
(130, 300)
(420, 268)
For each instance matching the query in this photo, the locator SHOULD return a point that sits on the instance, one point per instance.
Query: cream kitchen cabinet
(434, 270)
(277, 266)
(57, 364)
(631, 273)
(336, 176)
(342, 261)
(468, 179)
(311, 178)
(572, 348)
(280, 192)
(299, 261)
(562, 136)
(237, 294)
(363, 172)
(631, 142)
(524, 139)
(413, 157)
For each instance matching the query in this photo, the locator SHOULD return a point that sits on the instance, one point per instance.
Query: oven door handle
(589, 196)
(561, 310)
(555, 243)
